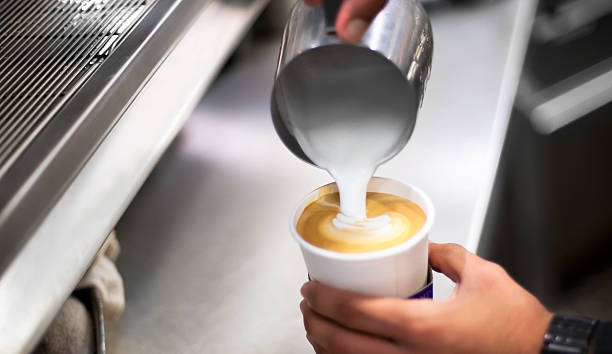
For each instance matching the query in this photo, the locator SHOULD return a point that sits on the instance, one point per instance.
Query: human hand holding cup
(487, 313)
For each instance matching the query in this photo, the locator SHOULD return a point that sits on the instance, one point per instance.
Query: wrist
(537, 329)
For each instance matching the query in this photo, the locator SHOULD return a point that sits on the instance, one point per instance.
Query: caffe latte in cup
(386, 254)
(391, 220)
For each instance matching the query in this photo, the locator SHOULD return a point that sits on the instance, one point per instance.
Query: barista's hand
(354, 17)
(487, 313)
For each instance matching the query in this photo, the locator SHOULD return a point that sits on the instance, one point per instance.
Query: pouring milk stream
(349, 108)
(349, 139)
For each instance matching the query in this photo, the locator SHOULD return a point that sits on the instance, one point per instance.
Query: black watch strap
(568, 335)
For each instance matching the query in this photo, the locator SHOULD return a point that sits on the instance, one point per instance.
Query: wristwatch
(568, 335)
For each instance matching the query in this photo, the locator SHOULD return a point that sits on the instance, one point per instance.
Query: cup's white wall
(399, 271)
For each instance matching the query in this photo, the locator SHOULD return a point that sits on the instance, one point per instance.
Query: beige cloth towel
(72, 330)
(104, 276)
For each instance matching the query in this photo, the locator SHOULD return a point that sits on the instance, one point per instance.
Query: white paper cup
(398, 271)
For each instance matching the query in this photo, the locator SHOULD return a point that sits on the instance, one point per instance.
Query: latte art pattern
(391, 220)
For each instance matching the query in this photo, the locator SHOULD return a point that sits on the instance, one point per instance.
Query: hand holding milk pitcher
(347, 108)
(353, 17)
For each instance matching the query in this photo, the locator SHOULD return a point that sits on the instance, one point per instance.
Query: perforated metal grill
(48, 48)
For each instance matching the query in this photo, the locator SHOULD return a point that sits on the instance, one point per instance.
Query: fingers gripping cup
(400, 270)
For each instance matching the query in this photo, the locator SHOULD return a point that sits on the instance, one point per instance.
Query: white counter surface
(208, 262)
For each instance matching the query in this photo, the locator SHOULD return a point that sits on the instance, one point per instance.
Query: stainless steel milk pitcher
(320, 80)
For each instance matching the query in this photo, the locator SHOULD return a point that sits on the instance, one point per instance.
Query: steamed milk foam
(404, 219)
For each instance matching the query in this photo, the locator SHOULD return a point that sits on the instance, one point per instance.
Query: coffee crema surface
(316, 224)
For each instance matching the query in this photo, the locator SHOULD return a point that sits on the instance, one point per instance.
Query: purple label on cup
(426, 292)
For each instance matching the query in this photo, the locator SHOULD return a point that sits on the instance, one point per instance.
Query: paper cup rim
(366, 256)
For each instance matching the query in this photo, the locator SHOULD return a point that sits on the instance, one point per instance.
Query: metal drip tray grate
(48, 48)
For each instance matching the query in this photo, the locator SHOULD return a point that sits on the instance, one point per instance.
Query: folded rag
(73, 329)
(71, 332)
(104, 276)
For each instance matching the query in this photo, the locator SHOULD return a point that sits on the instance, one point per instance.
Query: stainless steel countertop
(208, 262)
(50, 264)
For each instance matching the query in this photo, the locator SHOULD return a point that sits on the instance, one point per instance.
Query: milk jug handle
(330, 8)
